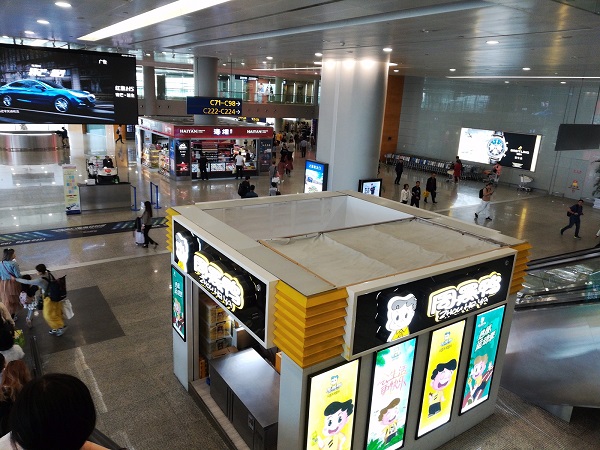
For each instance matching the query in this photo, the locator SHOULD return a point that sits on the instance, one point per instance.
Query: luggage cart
(524, 181)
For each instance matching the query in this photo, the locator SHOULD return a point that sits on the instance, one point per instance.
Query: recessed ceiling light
(224, 64)
(28, 32)
(452, 70)
(392, 64)
(526, 68)
(264, 62)
(243, 64)
(396, 70)
(63, 4)
(506, 82)
(318, 54)
(318, 63)
(43, 22)
(387, 49)
(563, 82)
(269, 58)
(148, 54)
(492, 42)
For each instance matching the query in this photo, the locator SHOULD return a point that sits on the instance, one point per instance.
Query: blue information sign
(214, 106)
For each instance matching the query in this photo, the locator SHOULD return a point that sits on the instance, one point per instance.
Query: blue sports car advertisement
(51, 85)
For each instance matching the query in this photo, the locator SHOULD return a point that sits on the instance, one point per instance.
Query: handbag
(67, 309)
(275, 180)
(425, 194)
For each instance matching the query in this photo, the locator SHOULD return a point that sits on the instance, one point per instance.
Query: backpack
(57, 287)
(242, 189)
(480, 193)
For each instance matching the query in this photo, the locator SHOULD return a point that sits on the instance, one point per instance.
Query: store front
(175, 148)
(390, 320)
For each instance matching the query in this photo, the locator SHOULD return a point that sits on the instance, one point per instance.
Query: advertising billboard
(370, 187)
(516, 150)
(440, 377)
(52, 85)
(484, 348)
(331, 402)
(315, 176)
(178, 302)
(392, 377)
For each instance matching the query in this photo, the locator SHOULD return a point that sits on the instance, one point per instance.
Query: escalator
(553, 353)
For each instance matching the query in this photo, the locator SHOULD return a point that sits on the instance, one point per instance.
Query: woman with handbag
(9, 288)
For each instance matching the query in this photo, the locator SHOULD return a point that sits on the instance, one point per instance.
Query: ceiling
(427, 37)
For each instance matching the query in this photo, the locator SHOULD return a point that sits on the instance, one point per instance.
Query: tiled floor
(120, 341)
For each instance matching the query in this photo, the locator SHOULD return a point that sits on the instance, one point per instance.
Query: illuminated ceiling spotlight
(269, 58)
(42, 21)
(387, 49)
(452, 70)
(318, 55)
(492, 42)
(63, 4)
(526, 68)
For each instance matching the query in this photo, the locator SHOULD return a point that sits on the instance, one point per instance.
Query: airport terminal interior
(119, 341)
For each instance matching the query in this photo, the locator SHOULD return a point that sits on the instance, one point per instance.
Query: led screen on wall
(519, 151)
(50, 85)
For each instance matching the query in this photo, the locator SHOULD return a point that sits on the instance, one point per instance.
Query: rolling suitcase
(139, 237)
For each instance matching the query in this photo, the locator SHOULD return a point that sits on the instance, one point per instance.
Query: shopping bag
(19, 338)
(275, 180)
(426, 194)
(67, 309)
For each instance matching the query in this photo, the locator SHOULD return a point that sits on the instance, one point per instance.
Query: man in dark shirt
(574, 212)
(203, 164)
(251, 192)
(431, 187)
(416, 194)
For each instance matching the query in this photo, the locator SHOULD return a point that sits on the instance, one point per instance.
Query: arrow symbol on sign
(237, 104)
(238, 111)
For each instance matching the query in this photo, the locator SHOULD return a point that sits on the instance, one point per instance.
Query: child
(273, 189)
(27, 298)
(405, 194)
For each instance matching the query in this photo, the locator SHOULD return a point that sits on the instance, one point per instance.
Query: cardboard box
(210, 312)
(223, 352)
(217, 331)
(278, 362)
(208, 347)
(202, 367)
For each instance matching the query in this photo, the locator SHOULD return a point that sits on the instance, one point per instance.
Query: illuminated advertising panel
(389, 399)
(224, 280)
(516, 150)
(315, 176)
(370, 187)
(52, 85)
(484, 348)
(330, 407)
(387, 315)
(178, 302)
(438, 392)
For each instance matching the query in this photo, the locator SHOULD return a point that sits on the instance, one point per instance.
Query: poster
(178, 297)
(483, 357)
(389, 399)
(315, 176)
(438, 392)
(330, 408)
(71, 190)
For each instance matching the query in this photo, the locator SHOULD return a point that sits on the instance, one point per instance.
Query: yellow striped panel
(309, 329)
(520, 267)
(169, 215)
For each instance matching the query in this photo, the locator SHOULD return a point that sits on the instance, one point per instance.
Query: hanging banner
(71, 189)
(438, 392)
(483, 357)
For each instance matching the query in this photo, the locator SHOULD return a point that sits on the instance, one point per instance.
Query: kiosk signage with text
(214, 106)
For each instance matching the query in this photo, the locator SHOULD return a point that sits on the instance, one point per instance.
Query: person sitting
(16, 375)
(251, 192)
(53, 412)
(108, 162)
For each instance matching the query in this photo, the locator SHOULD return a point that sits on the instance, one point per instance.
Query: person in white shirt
(239, 166)
(405, 194)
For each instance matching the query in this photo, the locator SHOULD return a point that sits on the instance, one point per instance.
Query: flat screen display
(443, 362)
(577, 137)
(330, 407)
(392, 377)
(178, 301)
(519, 151)
(51, 85)
(484, 348)
(370, 187)
(315, 176)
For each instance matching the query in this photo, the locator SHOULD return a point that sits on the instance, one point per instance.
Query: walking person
(399, 169)
(405, 194)
(416, 194)
(147, 224)
(485, 195)
(239, 166)
(9, 288)
(119, 135)
(64, 134)
(457, 169)
(303, 146)
(431, 187)
(574, 213)
(203, 165)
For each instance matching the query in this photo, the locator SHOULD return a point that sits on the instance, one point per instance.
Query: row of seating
(469, 172)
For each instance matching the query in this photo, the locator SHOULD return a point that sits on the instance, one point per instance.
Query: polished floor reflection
(120, 343)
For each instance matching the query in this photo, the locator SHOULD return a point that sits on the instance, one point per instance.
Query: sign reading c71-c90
(214, 106)
(52, 85)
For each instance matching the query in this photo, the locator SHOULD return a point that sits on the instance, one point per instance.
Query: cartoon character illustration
(388, 417)
(440, 379)
(185, 246)
(478, 378)
(177, 315)
(337, 415)
(398, 312)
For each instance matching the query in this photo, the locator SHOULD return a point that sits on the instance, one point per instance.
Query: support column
(205, 85)
(351, 120)
(278, 90)
(148, 73)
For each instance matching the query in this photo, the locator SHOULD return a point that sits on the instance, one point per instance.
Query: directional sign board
(214, 106)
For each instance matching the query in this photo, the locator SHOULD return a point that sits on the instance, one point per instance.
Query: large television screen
(516, 150)
(51, 85)
(577, 137)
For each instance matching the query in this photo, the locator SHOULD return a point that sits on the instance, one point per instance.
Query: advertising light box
(438, 392)
(178, 302)
(393, 313)
(52, 85)
(370, 187)
(516, 150)
(236, 289)
(315, 176)
(331, 403)
(484, 348)
(392, 377)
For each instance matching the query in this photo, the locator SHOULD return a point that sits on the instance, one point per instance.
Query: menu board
(483, 357)
(392, 377)
(438, 391)
(330, 408)
(178, 302)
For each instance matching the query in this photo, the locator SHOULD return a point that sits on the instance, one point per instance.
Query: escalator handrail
(564, 258)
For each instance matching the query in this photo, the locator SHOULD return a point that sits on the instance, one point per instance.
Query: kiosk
(391, 321)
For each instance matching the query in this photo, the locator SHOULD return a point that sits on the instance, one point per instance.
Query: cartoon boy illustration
(478, 378)
(440, 379)
(336, 417)
(399, 311)
(177, 315)
(185, 246)
(388, 417)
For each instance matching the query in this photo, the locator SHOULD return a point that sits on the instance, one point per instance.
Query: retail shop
(175, 147)
(316, 328)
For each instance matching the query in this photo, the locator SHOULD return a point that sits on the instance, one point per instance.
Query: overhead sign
(214, 106)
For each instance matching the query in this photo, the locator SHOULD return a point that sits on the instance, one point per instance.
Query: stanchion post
(157, 206)
(134, 206)
(151, 198)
